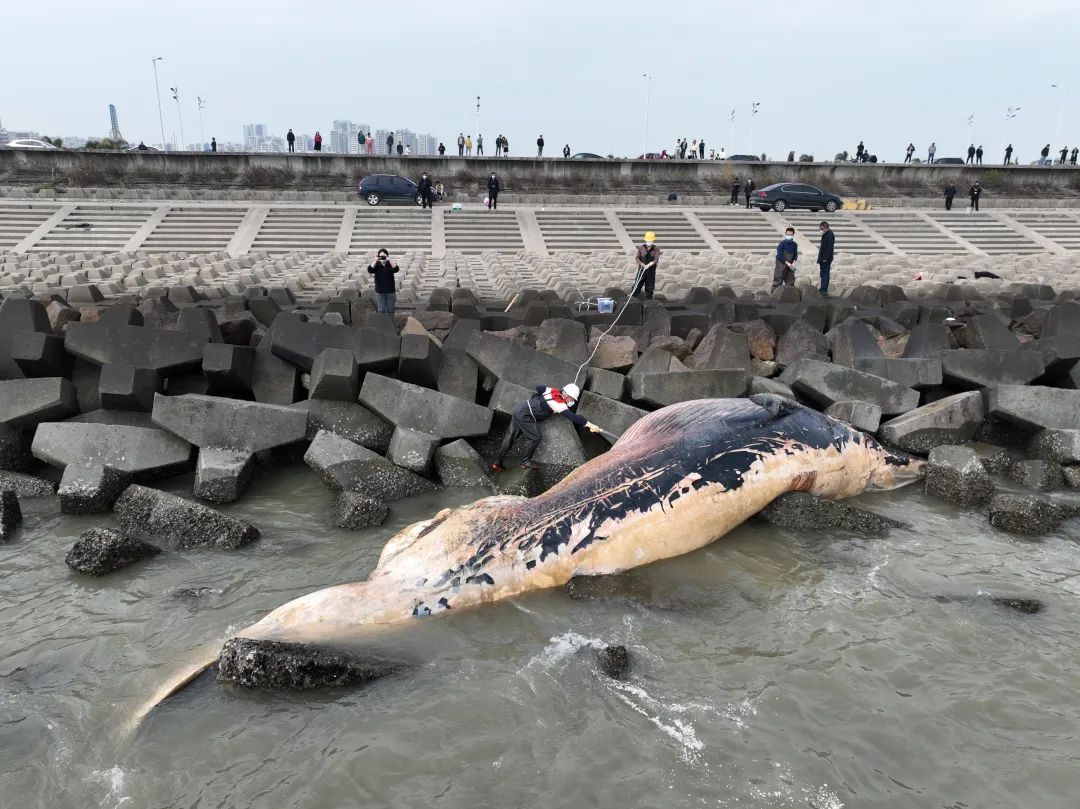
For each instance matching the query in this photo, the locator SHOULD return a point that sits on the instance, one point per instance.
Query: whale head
(890, 468)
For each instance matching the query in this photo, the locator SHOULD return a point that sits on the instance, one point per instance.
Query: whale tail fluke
(208, 655)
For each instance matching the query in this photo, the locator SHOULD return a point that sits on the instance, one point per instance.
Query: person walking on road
(390, 144)
(950, 192)
(479, 145)
(566, 151)
(931, 152)
(1008, 154)
(493, 191)
(978, 155)
(973, 194)
(735, 186)
(910, 152)
(825, 256)
(291, 139)
(748, 189)
(971, 153)
(424, 190)
(545, 403)
(385, 289)
(461, 144)
(787, 253)
(647, 258)
(468, 145)
(540, 146)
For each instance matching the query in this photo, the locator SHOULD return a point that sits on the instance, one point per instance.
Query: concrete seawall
(316, 172)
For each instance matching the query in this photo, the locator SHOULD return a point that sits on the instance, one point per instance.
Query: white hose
(638, 279)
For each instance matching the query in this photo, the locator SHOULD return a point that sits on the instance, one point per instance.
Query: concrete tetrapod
(424, 410)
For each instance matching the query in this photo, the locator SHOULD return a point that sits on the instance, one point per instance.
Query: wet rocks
(1062, 446)
(458, 464)
(26, 485)
(298, 667)
(1039, 475)
(346, 466)
(957, 475)
(1026, 514)
(825, 384)
(614, 661)
(354, 511)
(181, 522)
(1035, 407)
(951, 420)
(860, 415)
(802, 511)
(26, 402)
(662, 389)
(90, 488)
(102, 550)
(429, 411)
(10, 514)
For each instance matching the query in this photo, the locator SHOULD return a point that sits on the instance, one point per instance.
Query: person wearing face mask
(424, 190)
(385, 289)
(787, 252)
(493, 191)
(825, 255)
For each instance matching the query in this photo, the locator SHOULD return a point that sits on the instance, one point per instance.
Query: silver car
(28, 143)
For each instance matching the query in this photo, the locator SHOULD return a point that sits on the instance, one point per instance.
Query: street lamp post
(1061, 111)
(157, 88)
(750, 140)
(200, 103)
(971, 128)
(179, 115)
(1010, 113)
(648, 100)
(478, 116)
(732, 139)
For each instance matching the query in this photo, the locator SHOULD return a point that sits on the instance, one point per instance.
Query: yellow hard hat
(650, 237)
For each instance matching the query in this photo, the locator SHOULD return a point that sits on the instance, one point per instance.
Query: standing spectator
(978, 155)
(468, 145)
(423, 188)
(950, 192)
(385, 289)
(1073, 155)
(291, 138)
(748, 189)
(479, 145)
(566, 150)
(712, 154)
(682, 149)
(825, 255)
(400, 148)
(461, 144)
(390, 144)
(1045, 154)
(442, 149)
(648, 259)
(722, 155)
(910, 152)
(360, 141)
(498, 145)
(735, 186)
(318, 141)
(369, 143)
(701, 148)
(213, 144)
(493, 191)
(506, 146)
(791, 157)
(540, 146)
(1008, 154)
(1064, 154)
(408, 150)
(931, 152)
(693, 149)
(971, 153)
(787, 253)
(973, 194)
(859, 151)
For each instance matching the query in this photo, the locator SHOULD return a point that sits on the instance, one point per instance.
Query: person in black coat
(540, 146)
(748, 189)
(974, 193)
(950, 192)
(291, 138)
(971, 153)
(825, 255)
(493, 191)
(735, 186)
(385, 288)
(1008, 154)
(423, 188)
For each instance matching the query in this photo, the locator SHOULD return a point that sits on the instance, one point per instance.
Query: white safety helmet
(572, 391)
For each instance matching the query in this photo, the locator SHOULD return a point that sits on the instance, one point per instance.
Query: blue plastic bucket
(605, 306)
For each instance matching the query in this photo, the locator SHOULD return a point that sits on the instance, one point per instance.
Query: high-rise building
(380, 140)
(114, 125)
(344, 137)
(427, 145)
(253, 134)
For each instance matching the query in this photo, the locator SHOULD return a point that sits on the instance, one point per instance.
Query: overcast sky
(826, 74)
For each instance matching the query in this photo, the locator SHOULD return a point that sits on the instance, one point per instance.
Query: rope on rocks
(633, 291)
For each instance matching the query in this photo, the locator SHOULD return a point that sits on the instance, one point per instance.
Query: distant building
(380, 140)
(254, 134)
(74, 141)
(427, 145)
(344, 137)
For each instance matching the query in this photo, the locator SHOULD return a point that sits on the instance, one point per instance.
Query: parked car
(781, 196)
(586, 156)
(747, 158)
(949, 161)
(29, 143)
(649, 156)
(378, 188)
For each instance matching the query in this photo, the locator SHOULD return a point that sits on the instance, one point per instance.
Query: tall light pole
(971, 129)
(1061, 110)
(732, 140)
(648, 100)
(1010, 113)
(478, 116)
(179, 115)
(754, 107)
(157, 88)
(200, 103)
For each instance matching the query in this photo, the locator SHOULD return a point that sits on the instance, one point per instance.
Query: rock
(951, 420)
(800, 340)
(1026, 514)
(354, 511)
(518, 482)
(222, 475)
(102, 550)
(564, 339)
(760, 339)
(507, 396)
(956, 475)
(230, 370)
(272, 664)
(26, 485)
(612, 353)
(659, 390)
(614, 661)
(1039, 475)
(459, 465)
(509, 361)
(417, 408)
(721, 349)
(800, 511)
(1060, 356)
(1034, 407)
(614, 417)
(1028, 606)
(346, 466)
(90, 488)
(26, 402)
(560, 451)
(181, 522)
(458, 374)
(39, 354)
(335, 375)
(121, 387)
(824, 384)
(167, 352)
(421, 359)
(928, 341)
(998, 463)
(605, 383)
(199, 323)
(860, 415)
(1062, 319)
(918, 374)
(988, 331)
(300, 342)
(18, 315)
(412, 449)
(350, 421)
(974, 368)
(852, 340)
(760, 384)
(1071, 475)
(10, 514)
(130, 449)
(676, 346)
(1062, 446)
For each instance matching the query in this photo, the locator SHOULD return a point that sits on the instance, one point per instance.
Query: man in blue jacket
(787, 252)
(825, 255)
(545, 403)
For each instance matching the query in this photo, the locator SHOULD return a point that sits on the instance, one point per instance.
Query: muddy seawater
(771, 669)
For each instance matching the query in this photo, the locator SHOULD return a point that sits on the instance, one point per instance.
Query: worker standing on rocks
(787, 253)
(648, 257)
(529, 413)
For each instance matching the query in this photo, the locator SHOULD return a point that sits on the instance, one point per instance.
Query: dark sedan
(745, 158)
(781, 196)
(378, 188)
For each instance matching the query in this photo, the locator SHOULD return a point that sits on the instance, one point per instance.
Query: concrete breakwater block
(951, 420)
(272, 664)
(1027, 514)
(167, 352)
(957, 475)
(458, 464)
(10, 514)
(26, 402)
(348, 420)
(181, 522)
(102, 550)
(346, 466)
(1034, 407)
(354, 511)
(800, 511)
(825, 384)
(26, 485)
(417, 408)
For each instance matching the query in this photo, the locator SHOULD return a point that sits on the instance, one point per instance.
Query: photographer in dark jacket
(424, 190)
(825, 255)
(493, 191)
(385, 289)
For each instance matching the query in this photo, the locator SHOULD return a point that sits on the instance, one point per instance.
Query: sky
(826, 75)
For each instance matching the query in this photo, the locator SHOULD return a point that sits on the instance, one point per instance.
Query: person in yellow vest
(648, 257)
(468, 145)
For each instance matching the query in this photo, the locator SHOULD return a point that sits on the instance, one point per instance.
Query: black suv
(378, 188)
(781, 196)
